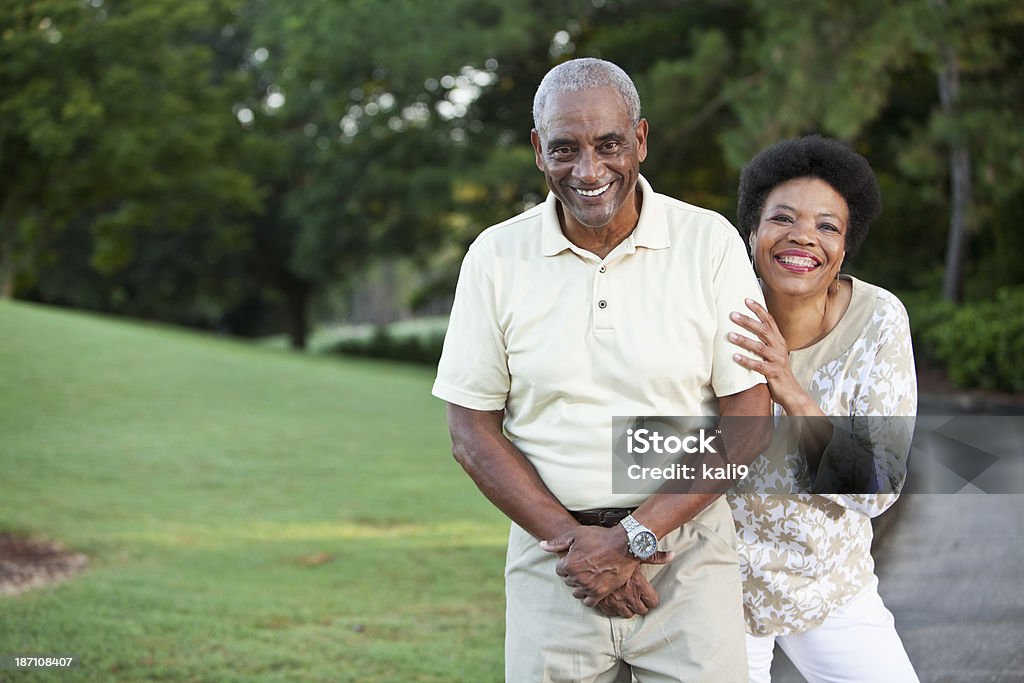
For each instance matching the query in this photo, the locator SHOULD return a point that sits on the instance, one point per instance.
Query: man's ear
(641, 139)
(538, 151)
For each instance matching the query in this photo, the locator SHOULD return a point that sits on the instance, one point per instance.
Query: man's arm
(510, 482)
(503, 474)
(744, 439)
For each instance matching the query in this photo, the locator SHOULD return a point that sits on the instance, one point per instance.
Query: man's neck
(602, 240)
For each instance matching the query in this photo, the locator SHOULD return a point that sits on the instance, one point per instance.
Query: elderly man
(608, 299)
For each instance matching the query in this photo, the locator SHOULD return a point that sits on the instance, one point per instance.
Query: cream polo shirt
(563, 340)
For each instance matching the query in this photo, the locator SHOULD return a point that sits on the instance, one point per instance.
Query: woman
(829, 345)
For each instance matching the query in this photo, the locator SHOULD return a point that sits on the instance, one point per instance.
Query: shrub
(412, 347)
(981, 344)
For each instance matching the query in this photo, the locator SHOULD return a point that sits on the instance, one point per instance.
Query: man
(608, 299)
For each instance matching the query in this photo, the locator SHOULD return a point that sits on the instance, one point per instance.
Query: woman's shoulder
(883, 304)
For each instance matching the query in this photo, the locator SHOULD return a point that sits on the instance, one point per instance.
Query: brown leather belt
(606, 517)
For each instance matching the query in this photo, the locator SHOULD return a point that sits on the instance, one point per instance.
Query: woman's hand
(813, 434)
(769, 345)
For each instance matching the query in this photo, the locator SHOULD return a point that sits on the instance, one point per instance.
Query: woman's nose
(803, 231)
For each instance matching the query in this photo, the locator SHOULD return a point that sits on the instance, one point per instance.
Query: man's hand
(596, 561)
(636, 596)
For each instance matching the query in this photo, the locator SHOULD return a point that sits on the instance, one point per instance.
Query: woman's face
(800, 240)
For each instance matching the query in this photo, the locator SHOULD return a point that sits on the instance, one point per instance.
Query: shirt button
(602, 269)
(602, 304)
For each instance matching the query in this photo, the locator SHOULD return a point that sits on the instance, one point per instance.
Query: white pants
(857, 643)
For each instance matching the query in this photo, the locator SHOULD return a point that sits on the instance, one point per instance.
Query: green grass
(248, 514)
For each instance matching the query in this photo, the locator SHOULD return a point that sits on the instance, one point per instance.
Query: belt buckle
(605, 517)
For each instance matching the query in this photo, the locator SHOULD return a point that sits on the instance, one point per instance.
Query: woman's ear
(751, 240)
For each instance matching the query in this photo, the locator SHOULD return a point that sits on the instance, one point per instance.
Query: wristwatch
(642, 541)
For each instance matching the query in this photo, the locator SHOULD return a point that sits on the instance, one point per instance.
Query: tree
(923, 88)
(112, 125)
(359, 128)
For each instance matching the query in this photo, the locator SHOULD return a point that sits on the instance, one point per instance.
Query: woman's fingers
(747, 344)
(764, 316)
(760, 311)
(747, 323)
(764, 328)
(749, 363)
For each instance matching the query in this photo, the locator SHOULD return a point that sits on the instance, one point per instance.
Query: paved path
(951, 571)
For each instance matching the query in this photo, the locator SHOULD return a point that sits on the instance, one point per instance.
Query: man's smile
(592, 193)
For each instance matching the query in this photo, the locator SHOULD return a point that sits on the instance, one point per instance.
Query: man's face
(590, 155)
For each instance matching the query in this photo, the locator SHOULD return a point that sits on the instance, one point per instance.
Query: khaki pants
(696, 633)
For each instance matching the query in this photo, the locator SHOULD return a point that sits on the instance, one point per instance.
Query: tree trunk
(296, 301)
(7, 260)
(959, 177)
(957, 243)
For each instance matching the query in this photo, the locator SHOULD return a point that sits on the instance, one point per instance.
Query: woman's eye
(781, 219)
(829, 228)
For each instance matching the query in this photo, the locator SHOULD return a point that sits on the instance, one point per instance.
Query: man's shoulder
(514, 230)
(682, 214)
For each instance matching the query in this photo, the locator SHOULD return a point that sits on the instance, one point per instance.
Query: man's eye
(561, 152)
(610, 146)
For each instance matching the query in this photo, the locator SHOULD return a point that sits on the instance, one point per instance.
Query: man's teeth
(801, 261)
(593, 193)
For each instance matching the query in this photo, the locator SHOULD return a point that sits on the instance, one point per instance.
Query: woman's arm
(883, 410)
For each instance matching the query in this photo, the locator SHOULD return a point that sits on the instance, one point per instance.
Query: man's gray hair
(582, 74)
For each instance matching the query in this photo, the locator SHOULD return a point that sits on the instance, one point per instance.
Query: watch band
(630, 524)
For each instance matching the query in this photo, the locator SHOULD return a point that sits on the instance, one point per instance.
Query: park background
(212, 213)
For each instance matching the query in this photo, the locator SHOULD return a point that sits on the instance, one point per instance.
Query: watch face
(643, 544)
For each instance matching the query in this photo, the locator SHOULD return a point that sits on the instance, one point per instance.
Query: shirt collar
(651, 231)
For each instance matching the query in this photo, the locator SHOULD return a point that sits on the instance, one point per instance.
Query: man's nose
(588, 165)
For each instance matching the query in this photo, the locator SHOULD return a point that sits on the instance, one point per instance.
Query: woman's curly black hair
(813, 156)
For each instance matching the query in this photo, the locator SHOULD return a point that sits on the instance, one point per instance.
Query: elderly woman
(829, 345)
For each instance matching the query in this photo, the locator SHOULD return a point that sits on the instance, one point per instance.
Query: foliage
(362, 116)
(115, 143)
(249, 515)
(203, 162)
(423, 346)
(981, 343)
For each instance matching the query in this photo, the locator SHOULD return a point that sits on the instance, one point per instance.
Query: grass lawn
(248, 514)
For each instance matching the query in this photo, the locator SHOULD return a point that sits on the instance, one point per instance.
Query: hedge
(980, 344)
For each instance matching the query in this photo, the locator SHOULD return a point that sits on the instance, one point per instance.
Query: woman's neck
(804, 321)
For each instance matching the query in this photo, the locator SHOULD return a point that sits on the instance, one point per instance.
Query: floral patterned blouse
(805, 554)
